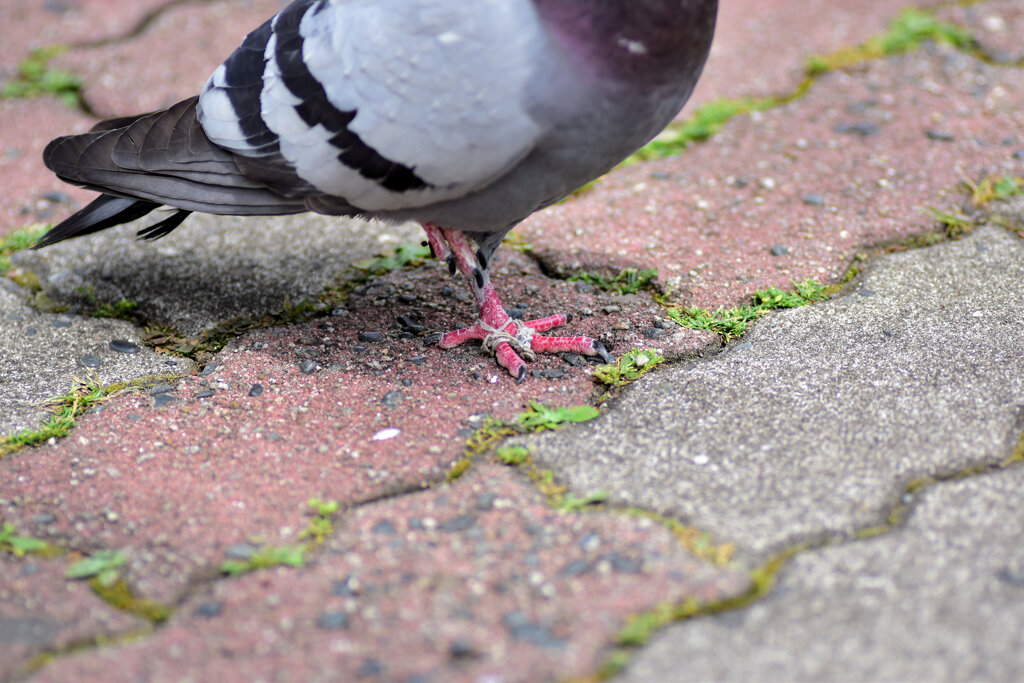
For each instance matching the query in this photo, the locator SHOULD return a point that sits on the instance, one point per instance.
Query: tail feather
(142, 162)
(103, 212)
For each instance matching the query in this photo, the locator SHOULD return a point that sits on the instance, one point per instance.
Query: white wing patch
(439, 91)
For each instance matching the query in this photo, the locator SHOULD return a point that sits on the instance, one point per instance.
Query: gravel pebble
(256, 390)
(813, 199)
(90, 360)
(161, 400)
(123, 346)
(371, 337)
(307, 367)
(333, 621)
(779, 250)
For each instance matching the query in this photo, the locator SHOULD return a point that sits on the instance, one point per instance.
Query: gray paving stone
(42, 354)
(816, 424)
(213, 268)
(941, 599)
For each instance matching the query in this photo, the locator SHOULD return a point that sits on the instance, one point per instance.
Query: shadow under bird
(464, 116)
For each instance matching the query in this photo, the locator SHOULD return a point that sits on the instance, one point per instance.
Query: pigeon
(464, 116)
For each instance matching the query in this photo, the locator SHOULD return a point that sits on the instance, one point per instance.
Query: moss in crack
(318, 530)
(907, 32)
(629, 281)
(84, 395)
(67, 408)
(36, 78)
(733, 322)
(18, 545)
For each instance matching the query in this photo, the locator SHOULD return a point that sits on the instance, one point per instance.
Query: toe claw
(602, 352)
(522, 375)
(433, 338)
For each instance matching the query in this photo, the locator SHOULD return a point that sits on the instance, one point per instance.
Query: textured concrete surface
(484, 578)
(44, 354)
(940, 598)
(818, 420)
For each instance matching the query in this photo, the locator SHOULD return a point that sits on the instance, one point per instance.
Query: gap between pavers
(44, 355)
(941, 598)
(817, 422)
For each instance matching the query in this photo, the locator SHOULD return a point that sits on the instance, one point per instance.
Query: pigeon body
(466, 117)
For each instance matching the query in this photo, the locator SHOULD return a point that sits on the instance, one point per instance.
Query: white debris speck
(385, 434)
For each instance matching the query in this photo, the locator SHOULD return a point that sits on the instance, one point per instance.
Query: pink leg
(511, 341)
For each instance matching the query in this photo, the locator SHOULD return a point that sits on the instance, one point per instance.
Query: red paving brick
(478, 578)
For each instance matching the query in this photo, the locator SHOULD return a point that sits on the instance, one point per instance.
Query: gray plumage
(467, 115)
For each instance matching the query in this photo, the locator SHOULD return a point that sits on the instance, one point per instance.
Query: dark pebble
(664, 325)
(90, 361)
(406, 382)
(660, 175)
(576, 568)
(861, 128)
(889, 333)
(1011, 577)
(465, 432)
(516, 313)
(358, 349)
(240, 551)
(392, 398)
(621, 563)
(160, 389)
(485, 501)
(208, 370)
(56, 197)
(30, 332)
(552, 374)
(813, 199)
(416, 524)
(939, 135)
(372, 337)
(209, 610)
(370, 668)
(406, 334)
(360, 290)
(162, 400)
(461, 649)
(307, 367)
(743, 346)
(779, 250)
(134, 417)
(349, 586)
(460, 523)
(205, 393)
(410, 325)
(61, 323)
(574, 359)
(333, 621)
(654, 332)
(447, 291)
(123, 346)
(521, 628)
(256, 390)
(170, 363)
(407, 298)
(1019, 154)
(418, 360)
(866, 292)
(44, 518)
(384, 528)
(15, 317)
(583, 287)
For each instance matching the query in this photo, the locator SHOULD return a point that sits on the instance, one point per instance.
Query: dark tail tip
(101, 213)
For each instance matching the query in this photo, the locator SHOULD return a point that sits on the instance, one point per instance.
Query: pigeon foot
(512, 342)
